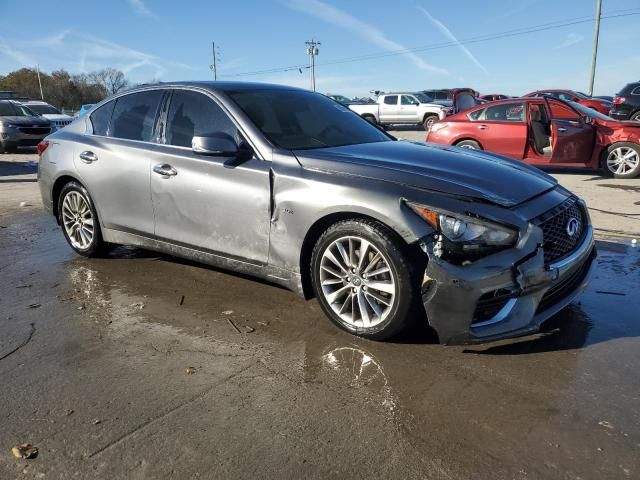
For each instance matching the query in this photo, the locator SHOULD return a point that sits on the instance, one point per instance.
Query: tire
(428, 121)
(79, 206)
(470, 144)
(371, 119)
(635, 117)
(626, 152)
(345, 291)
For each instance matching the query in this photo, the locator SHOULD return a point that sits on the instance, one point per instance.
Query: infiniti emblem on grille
(572, 226)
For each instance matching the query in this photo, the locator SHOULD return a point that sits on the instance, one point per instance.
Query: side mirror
(416, 103)
(215, 145)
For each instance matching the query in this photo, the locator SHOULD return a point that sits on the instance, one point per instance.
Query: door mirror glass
(216, 145)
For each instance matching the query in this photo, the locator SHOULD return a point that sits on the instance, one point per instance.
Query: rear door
(572, 139)
(502, 128)
(208, 203)
(114, 160)
(389, 109)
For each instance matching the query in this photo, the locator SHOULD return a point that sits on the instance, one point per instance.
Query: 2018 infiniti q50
(288, 185)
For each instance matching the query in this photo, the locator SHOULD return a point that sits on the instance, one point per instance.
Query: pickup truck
(401, 108)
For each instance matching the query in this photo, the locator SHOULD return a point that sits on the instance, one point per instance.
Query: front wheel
(428, 121)
(79, 220)
(362, 278)
(622, 160)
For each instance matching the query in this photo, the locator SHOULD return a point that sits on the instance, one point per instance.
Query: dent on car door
(206, 202)
(572, 139)
(113, 162)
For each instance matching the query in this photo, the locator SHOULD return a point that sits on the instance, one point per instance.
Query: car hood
(39, 121)
(57, 116)
(440, 168)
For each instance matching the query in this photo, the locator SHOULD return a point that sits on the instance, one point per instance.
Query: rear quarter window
(101, 117)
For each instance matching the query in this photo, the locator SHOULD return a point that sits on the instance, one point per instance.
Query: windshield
(44, 109)
(589, 111)
(423, 98)
(9, 109)
(298, 120)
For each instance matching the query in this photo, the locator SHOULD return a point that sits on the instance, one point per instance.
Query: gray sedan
(291, 186)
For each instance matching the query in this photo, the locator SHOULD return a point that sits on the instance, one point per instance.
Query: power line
(478, 39)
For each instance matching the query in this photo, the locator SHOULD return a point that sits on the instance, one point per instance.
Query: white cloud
(335, 16)
(141, 9)
(81, 53)
(449, 34)
(571, 39)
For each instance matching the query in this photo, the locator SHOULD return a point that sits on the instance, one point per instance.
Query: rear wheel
(428, 121)
(79, 220)
(470, 144)
(362, 278)
(622, 160)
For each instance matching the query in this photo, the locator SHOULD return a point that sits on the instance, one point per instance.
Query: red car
(545, 132)
(598, 104)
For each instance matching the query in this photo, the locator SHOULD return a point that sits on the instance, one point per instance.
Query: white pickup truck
(401, 108)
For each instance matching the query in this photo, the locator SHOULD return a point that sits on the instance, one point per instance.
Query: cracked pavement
(94, 373)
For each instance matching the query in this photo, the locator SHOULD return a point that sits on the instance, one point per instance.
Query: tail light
(42, 146)
(618, 100)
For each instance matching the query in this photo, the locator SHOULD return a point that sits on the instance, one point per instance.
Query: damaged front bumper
(508, 294)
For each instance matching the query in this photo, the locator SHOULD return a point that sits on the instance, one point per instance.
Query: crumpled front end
(507, 294)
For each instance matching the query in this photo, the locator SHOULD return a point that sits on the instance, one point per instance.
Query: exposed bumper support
(451, 292)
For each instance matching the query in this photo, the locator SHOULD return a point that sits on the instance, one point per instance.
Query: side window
(193, 114)
(511, 112)
(391, 100)
(101, 117)
(562, 112)
(635, 91)
(407, 100)
(134, 115)
(477, 115)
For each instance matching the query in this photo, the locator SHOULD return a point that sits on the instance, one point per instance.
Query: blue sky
(171, 40)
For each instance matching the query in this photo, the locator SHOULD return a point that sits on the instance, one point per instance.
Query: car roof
(220, 86)
(36, 102)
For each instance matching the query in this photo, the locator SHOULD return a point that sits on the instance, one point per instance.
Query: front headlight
(7, 125)
(464, 234)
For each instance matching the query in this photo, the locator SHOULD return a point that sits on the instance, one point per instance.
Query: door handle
(88, 156)
(165, 170)
(562, 129)
(482, 127)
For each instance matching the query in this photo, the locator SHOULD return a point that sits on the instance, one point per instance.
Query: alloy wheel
(622, 160)
(357, 282)
(77, 220)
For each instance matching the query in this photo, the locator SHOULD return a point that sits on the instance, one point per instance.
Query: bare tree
(111, 79)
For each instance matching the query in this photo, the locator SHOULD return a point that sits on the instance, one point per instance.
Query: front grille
(557, 243)
(35, 130)
(565, 286)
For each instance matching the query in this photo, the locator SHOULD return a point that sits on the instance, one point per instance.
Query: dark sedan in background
(289, 185)
(20, 126)
(626, 104)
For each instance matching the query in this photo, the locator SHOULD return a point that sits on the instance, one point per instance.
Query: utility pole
(596, 34)
(213, 68)
(39, 82)
(312, 51)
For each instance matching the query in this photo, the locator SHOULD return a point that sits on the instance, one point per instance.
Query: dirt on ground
(140, 365)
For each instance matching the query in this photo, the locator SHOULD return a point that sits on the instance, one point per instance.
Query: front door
(206, 202)
(408, 109)
(572, 138)
(114, 161)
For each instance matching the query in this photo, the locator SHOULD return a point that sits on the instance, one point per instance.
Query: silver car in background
(288, 185)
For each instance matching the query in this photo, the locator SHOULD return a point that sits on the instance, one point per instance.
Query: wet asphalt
(139, 365)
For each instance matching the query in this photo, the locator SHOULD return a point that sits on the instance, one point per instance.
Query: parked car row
(290, 186)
